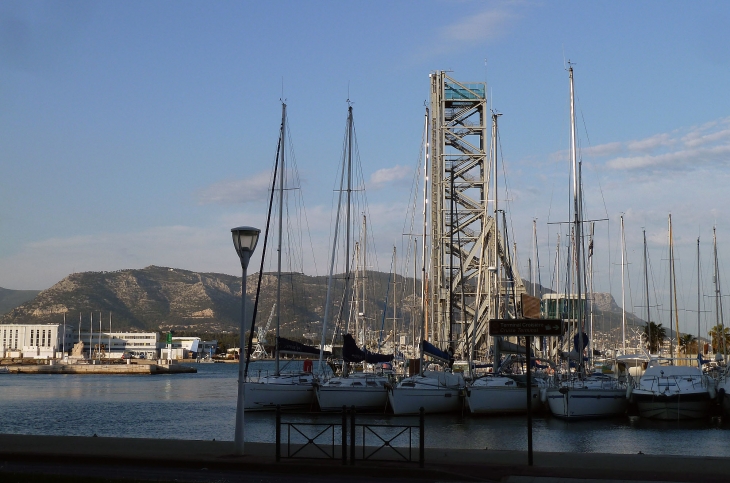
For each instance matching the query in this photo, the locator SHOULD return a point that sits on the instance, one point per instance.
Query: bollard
(421, 437)
(352, 435)
(344, 434)
(278, 433)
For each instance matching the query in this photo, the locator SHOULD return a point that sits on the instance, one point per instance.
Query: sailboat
(668, 391)
(435, 391)
(499, 392)
(580, 395)
(291, 389)
(365, 391)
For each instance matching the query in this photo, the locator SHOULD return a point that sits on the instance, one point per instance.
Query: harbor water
(202, 406)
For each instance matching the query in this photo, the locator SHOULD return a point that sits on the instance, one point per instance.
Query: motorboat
(671, 392)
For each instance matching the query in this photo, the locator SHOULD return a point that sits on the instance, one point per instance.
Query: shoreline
(116, 369)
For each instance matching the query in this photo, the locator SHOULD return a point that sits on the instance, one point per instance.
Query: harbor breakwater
(60, 368)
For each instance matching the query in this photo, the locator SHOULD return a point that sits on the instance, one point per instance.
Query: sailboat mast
(671, 313)
(623, 293)
(348, 215)
(281, 236)
(646, 286)
(698, 302)
(330, 278)
(578, 219)
(496, 217)
(364, 252)
(718, 297)
(423, 241)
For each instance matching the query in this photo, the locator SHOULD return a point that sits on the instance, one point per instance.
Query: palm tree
(720, 336)
(658, 334)
(687, 342)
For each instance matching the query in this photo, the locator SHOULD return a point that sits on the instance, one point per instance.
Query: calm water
(202, 406)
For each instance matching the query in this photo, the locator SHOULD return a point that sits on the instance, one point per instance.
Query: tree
(658, 334)
(720, 337)
(687, 342)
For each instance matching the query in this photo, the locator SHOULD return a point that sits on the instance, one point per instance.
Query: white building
(114, 344)
(38, 341)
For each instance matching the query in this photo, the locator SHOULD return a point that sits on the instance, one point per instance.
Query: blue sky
(137, 133)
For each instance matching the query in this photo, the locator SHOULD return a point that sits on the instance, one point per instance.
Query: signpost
(527, 328)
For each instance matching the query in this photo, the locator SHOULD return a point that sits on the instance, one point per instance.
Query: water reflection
(202, 406)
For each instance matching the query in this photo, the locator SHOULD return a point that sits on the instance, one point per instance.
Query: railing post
(278, 433)
(421, 437)
(352, 435)
(344, 434)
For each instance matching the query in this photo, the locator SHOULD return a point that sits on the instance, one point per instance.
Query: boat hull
(266, 397)
(407, 400)
(586, 403)
(370, 399)
(501, 400)
(677, 406)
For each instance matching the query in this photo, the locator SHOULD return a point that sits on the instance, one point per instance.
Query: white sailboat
(582, 396)
(668, 391)
(723, 383)
(434, 391)
(499, 393)
(288, 390)
(365, 391)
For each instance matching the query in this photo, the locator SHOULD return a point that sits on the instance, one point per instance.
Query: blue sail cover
(432, 351)
(576, 341)
(297, 348)
(352, 353)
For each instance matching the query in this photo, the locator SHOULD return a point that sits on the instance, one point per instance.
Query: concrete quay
(61, 368)
(441, 464)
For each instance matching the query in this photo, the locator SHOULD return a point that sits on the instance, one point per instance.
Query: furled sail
(431, 350)
(352, 353)
(287, 346)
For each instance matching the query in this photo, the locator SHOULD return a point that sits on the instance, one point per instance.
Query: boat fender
(721, 394)
(711, 389)
(543, 395)
(563, 390)
(629, 392)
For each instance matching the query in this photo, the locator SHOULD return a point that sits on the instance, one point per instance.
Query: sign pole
(528, 339)
(527, 328)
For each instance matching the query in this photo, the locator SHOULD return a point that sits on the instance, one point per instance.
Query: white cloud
(253, 188)
(389, 175)
(607, 149)
(651, 143)
(486, 25)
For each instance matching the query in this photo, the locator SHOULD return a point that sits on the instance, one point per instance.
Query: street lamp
(244, 240)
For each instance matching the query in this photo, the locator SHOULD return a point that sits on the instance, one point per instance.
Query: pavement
(180, 460)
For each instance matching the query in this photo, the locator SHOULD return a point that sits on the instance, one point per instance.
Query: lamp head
(245, 239)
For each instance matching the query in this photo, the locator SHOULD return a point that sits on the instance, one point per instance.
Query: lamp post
(244, 240)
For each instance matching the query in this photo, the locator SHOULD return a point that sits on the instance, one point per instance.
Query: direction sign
(526, 327)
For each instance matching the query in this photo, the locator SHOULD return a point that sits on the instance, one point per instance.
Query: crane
(260, 351)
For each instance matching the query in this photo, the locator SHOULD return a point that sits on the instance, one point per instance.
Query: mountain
(161, 298)
(9, 299)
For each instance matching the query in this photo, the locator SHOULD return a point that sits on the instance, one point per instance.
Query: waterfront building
(37, 341)
(113, 345)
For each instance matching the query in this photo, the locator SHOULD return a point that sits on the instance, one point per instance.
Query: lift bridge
(465, 240)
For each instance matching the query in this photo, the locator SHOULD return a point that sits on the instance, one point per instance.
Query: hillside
(161, 298)
(9, 299)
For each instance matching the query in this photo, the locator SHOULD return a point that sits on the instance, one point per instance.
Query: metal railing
(377, 442)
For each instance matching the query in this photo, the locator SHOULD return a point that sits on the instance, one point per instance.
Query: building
(38, 341)
(113, 345)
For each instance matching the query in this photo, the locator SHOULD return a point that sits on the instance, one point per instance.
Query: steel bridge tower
(466, 287)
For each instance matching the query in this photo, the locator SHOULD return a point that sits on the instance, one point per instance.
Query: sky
(137, 133)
